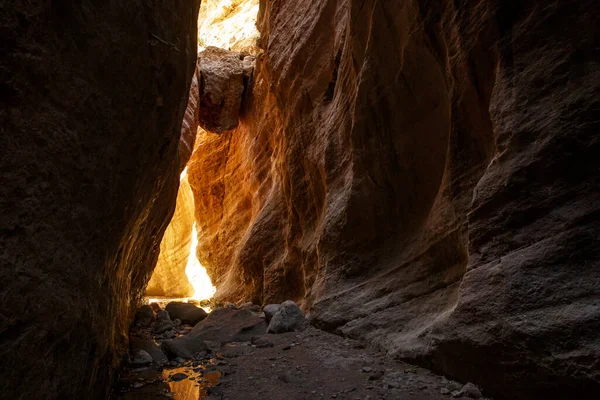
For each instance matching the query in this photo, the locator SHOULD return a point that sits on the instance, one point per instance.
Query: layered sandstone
(369, 180)
(93, 95)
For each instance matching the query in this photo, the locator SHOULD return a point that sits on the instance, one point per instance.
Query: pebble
(444, 391)
(178, 377)
(367, 369)
(376, 376)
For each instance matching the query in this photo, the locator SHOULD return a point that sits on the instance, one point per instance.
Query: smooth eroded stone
(150, 347)
(187, 313)
(142, 357)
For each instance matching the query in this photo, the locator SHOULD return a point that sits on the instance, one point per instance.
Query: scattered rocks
(150, 347)
(288, 318)
(142, 358)
(186, 312)
(270, 310)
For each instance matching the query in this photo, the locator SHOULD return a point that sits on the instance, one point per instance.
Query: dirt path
(291, 366)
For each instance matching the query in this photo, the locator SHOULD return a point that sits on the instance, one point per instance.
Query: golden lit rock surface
(368, 180)
(169, 278)
(228, 24)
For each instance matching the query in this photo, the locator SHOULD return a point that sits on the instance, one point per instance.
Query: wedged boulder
(221, 86)
(288, 318)
(150, 347)
(187, 313)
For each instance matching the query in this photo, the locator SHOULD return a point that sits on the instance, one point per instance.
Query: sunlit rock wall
(228, 24)
(93, 95)
(369, 180)
(169, 278)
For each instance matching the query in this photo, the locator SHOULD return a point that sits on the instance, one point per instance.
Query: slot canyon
(414, 184)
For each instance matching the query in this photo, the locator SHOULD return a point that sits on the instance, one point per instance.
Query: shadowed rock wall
(420, 175)
(93, 95)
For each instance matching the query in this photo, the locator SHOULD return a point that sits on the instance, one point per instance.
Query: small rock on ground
(142, 358)
(270, 310)
(289, 318)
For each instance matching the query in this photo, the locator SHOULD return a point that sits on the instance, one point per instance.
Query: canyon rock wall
(189, 125)
(93, 95)
(421, 176)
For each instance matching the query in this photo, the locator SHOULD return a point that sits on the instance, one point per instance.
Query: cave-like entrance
(179, 275)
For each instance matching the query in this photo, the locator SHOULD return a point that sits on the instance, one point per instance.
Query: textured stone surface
(226, 325)
(368, 180)
(221, 86)
(270, 310)
(93, 95)
(530, 297)
(189, 125)
(288, 318)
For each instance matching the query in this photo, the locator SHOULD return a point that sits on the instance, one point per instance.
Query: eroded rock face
(369, 180)
(221, 87)
(93, 95)
(189, 126)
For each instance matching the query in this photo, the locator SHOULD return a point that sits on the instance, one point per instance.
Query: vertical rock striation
(93, 95)
(420, 175)
(530, 300)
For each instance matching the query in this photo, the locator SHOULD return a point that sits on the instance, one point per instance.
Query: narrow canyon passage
(250, 199)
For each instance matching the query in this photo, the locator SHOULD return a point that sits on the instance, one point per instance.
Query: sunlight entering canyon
(178, 273)
(228, 24)
(196, 273)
